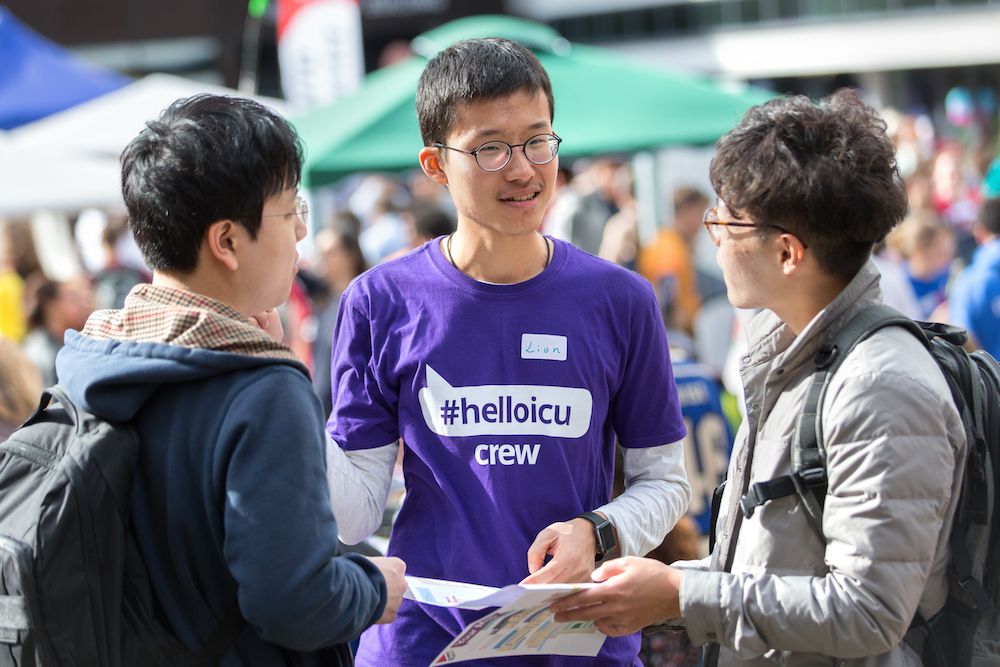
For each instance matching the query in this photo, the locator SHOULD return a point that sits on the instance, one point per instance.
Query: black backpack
(73, 587)
(968, 627)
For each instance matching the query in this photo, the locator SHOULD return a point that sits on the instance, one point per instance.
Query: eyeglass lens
(494, 155)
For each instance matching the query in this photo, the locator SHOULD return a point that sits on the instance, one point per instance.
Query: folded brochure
(523, 625)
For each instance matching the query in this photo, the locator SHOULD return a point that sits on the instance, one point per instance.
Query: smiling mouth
(527, 197)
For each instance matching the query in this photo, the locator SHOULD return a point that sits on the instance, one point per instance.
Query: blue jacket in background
(230, 496)
(975, 297)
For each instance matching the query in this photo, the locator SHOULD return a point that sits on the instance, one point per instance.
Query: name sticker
(543, 346)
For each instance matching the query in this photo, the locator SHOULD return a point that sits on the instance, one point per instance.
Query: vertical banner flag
(319, 50)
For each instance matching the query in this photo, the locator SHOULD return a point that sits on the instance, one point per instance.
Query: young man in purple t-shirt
(508, 363)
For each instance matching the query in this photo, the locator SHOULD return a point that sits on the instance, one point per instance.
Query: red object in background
(319, 50)
(300, 323)
(288, 8)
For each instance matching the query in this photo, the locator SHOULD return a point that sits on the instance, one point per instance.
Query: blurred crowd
(379, 217)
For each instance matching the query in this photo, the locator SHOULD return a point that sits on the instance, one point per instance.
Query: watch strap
(604, 533)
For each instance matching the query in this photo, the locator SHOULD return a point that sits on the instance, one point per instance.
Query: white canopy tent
(105, 125)
(31, 180)
(69, 161)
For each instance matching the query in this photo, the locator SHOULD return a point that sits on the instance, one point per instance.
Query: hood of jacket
(161, 336)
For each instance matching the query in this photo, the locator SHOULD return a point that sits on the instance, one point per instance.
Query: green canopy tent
(604, 103)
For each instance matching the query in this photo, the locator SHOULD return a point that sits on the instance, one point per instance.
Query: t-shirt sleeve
(645, 410)
(364, 411)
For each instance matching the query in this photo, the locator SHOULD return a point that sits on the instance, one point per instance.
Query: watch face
(606, 536)
(604, 533)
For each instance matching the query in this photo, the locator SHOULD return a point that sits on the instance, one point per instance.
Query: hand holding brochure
(522, 626)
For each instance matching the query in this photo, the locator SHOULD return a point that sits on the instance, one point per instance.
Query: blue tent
(38, 77)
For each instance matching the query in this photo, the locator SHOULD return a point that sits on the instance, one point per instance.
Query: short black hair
(40, 295)
(825, 171)
(473, 70)
(431, 222)
(207, 158)
(989, 215)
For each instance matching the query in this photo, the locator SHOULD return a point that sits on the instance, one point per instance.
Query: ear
(430, 162)
(221, 241)
(793, 252)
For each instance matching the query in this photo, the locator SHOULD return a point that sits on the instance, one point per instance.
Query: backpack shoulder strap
(232, 623)
(808, 450)
(808, 479)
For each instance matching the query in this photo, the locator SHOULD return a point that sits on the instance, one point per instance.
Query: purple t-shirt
(508, 399)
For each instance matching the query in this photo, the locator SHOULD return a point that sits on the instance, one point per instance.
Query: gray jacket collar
(772, 342)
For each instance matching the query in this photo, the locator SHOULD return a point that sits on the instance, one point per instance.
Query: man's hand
(571, 544)
(270, 323)
(393, 570)
(633, 593)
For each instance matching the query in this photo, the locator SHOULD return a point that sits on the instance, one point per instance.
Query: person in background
(429, 223)
(955, 178)
(975, 298)
(13, 323)
(620, 237)
(426, 223)
(587, 201)
(20, 387)
(927, 246)
(426, 194)
(54, 308)
(115, 279)
(384, 232)
(897, 290)
(341, 261)
(668, 261)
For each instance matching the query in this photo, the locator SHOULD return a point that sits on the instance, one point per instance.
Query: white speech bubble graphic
(500, 409)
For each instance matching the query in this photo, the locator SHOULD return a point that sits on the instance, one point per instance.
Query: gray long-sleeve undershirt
(656, 493)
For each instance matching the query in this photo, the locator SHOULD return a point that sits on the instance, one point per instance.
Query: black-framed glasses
(301, 210)
(495, 155)
(714, 225)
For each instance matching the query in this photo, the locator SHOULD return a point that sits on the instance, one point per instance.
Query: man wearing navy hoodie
(230, 501)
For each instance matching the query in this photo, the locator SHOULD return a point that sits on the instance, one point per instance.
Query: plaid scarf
(156, 314)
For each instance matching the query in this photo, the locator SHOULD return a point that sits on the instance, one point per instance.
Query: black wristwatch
(604, 533)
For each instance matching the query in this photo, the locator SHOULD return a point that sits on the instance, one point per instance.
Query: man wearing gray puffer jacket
(805, 190)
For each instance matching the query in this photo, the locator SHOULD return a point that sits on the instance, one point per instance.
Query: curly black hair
(825, 171)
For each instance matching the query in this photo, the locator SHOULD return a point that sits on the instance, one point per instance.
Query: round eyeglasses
(495, 155)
